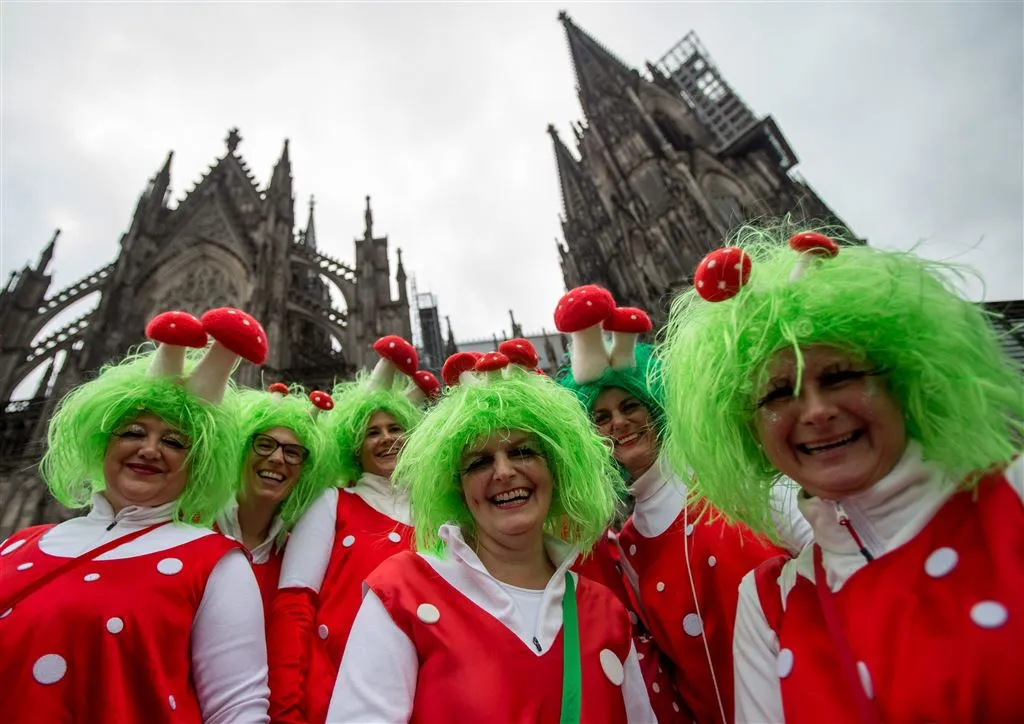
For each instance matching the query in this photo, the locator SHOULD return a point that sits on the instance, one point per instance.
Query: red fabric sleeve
(289, 634)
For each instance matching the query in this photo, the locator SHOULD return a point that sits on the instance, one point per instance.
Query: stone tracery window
(206, 287)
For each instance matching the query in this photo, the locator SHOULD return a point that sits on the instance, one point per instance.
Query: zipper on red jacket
(844, 520)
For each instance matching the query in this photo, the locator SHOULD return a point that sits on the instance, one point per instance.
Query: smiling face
(627, 422)
(507, 487)
(384, 440)
(145, 463)
(274, 464)
(844, 431)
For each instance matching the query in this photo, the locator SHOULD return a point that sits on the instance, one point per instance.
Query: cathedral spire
(47, 254)
(310, 235)
(368, 219)
(399, 276)
(450, 347)
(279, 192)
(597, 70)
(569, 177)
(517, 331)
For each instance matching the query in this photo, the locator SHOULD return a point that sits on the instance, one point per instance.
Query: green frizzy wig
(354, 405)
(81, 428)
(585, 482)
(962, 397)
(643, 382)
(258, 411)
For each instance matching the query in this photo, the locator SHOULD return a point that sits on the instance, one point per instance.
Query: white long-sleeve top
(312, 538)
(377, 678)
(885, 516)
(229, 525)
(229, 652)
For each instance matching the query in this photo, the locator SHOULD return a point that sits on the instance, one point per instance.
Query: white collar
(464, 571)
(131, 515)
(652, 479)
(230, 526)
(382, 496)
(886, 515)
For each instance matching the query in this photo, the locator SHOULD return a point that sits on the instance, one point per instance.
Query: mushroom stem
(382, 376)
(416, 396)
(589, 356)
(169, 361)
(211, 374)
(799, 270)
(623, 346)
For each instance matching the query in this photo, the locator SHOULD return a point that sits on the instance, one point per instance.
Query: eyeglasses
(264, 446)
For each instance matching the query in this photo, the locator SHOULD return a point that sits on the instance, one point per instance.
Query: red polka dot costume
(146, 615)
(926, 584)
(418, 638)
(337, 543)
(266, 558)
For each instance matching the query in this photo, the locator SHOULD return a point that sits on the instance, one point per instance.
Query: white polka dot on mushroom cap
(989, 614)
(700, 284)
(232, 311)
(612, 667)
(169, 566)
(428, 613)
(348, 540)
(784, 663)
(12, 547)
(245, 322)
(90, 577)
(721, 284)
(712, 561)
(661, 586)
(738, 267)
(712, 263)
(171, 702)
(940, 562)
(632, 316)
(865, 679)
(394, 537)
(49, 669)
(391, 345)
(323, 632)
(25, 566)
(590, 303)
(692, 625)
(115, 625)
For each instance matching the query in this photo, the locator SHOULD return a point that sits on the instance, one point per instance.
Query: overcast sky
(907, 119)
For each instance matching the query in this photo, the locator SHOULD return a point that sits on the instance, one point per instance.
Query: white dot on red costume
(115, 625)
(660, 586)
(712, 561)
(169, 566)
(25, 566)
(784, 663)
(940, 562)
(656, 687)
(675, 707)
(90, 577)
(6, 613)
(689, 529)
(692, 625)
(49, 669)
(348, 540)
(989, 614)
(323, 631)
(612, 667)
(865, 679)
(428, 613)
(632, 550)
(639, 656)
(12, 547)
(171, 702)
(394, 537)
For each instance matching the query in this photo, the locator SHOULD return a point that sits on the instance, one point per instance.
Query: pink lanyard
(72, 563)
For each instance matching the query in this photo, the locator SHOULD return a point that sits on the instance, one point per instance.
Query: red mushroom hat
(396, 355)
(580, 314)
(722, 273)
(810, 245)
(322, 402)
(278, 390)
(458, 368)
(520, 352)
(491, 365)
(174, 332)
(626, 324)
(426, 388)
(235, 335)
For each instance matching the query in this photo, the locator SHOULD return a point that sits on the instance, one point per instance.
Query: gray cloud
(907, 119)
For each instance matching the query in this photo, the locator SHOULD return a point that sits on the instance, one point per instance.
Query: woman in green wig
(351, 527)
(286, 458)
(862, 375)
(683, 565)
(141, 577)
(509, 483)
